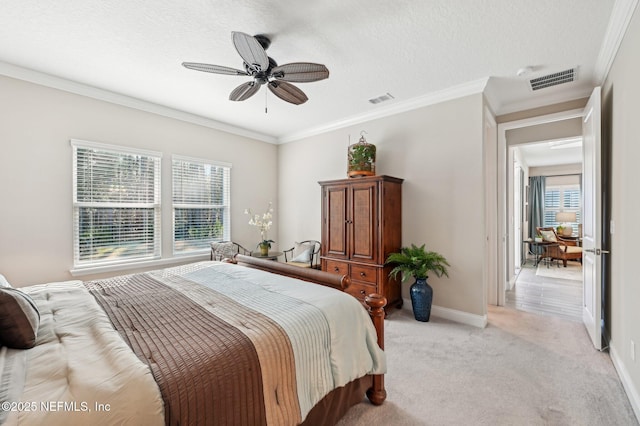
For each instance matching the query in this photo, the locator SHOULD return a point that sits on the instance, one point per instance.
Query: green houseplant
(417, 262)
(361, 158)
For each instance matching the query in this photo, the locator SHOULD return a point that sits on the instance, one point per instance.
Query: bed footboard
(375, 303)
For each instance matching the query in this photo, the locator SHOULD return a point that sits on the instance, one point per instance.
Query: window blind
(116, 204)
(201, 207)
(565, 198)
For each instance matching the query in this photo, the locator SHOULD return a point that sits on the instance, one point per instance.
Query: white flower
(264, 222)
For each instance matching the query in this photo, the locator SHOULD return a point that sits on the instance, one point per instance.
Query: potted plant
(263, 223)
(362, 158)
(417, 262)
(264, 246)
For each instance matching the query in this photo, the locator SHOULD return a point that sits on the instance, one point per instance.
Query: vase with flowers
(263, 223)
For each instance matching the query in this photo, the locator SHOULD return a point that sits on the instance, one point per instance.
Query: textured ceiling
(410, 49)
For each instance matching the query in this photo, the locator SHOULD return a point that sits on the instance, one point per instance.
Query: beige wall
(544, 132)
(544, 110)
(621, 129)
(438, 150)
(36, 124)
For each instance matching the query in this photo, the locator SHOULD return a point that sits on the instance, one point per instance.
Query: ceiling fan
(265, 70)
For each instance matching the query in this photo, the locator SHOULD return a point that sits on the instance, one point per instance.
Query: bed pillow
(549, 236)
(302, 252)
(4, 282)
(19, 319)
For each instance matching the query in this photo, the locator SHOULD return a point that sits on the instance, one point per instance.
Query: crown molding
(620, 18)
(451, 93)
(63, 84)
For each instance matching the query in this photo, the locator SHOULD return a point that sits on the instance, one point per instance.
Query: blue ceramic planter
(421, 299)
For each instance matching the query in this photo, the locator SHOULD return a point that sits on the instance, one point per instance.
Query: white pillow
(4, 282)
(549, 236)
(303, 257)
(302, 252)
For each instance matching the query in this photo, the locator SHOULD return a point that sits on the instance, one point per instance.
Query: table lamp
(563, 218)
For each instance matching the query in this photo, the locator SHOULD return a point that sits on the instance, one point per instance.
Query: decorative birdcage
(361, 158)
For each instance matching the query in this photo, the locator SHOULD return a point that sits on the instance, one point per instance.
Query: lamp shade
(564, 217)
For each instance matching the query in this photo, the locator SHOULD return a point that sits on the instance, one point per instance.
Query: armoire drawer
(360, 290)
(339, 268)
(367, 274)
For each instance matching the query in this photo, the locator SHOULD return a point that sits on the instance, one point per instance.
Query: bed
(242, 342)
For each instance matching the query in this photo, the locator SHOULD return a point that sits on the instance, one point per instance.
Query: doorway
(540, 284)
(535, 289)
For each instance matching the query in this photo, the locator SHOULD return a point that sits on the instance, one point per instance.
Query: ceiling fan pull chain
(266, 93)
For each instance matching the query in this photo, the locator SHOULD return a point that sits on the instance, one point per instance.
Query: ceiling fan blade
(288, 92)
(244, 91)
(300, 72)
(250, 50)
(216, 69)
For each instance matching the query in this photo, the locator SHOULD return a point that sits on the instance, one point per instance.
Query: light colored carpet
(573, 271)
(522, 369)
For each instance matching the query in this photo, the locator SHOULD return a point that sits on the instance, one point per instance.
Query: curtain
(536, 203)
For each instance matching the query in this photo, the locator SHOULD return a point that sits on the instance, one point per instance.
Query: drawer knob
(362, 274)
(362, 292)
(336, 269)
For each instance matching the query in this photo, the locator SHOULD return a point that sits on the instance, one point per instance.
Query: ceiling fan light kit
(265, 71)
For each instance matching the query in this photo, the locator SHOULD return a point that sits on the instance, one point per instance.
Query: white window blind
(562, 198)
(201, 193)
(116, 204)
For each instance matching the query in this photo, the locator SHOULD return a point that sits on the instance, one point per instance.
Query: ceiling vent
(386, 97)
(554, 79)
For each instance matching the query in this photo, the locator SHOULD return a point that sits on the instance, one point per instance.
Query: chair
(227, 249)
(304, 254)
(566, 249)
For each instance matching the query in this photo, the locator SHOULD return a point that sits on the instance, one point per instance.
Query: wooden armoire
(361, 226)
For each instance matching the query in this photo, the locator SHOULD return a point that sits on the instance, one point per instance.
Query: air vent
(386, 97)
(561, 77)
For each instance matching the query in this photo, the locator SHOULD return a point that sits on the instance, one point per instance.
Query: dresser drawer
(364, 273)
(339, 268)
(360, 290)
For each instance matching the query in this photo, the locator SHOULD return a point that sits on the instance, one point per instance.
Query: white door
(592, 220)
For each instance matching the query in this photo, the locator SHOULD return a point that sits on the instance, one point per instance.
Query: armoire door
(335, 215)
(362, 219)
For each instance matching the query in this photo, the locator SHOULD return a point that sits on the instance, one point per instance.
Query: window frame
(154, 205)
(225, 206)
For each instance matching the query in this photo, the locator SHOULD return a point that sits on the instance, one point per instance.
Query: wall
(561, 169)
(545, 132)
(544, 110)
(621, 132)
(438, 150)
(36, 124)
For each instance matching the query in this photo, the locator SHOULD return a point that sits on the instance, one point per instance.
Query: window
(201, 191)
(562, 198)
(116, 204)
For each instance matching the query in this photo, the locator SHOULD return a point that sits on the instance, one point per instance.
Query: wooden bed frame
(375, 303)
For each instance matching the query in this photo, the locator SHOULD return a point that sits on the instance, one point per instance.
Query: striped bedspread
(234, 345)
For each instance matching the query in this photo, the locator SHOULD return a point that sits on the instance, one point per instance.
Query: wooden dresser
(361, 226)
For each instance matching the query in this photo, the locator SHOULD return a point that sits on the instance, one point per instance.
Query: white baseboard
(462, 317)
(627, 383)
